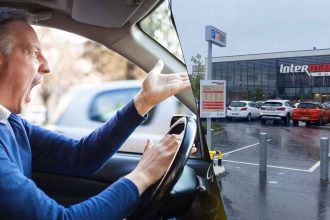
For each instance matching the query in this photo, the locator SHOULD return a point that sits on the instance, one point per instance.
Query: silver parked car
(87, 107)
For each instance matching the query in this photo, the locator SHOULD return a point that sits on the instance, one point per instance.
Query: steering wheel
(154, 198)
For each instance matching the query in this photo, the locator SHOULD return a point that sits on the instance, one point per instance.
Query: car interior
(189, 189)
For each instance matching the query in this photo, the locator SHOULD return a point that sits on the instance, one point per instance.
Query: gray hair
(6, 16)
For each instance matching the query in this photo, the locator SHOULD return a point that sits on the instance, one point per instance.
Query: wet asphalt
(290, 189)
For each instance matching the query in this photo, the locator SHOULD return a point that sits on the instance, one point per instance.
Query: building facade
(295, 75)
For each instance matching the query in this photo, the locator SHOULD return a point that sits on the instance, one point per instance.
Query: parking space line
(314, 167)
(277, 167)
(242, 148)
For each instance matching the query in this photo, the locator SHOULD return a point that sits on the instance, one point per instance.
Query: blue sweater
(27, 146)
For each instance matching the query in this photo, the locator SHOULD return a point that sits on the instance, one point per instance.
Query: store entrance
(319, 97)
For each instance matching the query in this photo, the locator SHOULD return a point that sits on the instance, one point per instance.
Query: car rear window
(276, 104)
(307, 105)
(105, 105)
(237, 104)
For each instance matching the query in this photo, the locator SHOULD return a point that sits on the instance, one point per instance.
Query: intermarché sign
(310, 69)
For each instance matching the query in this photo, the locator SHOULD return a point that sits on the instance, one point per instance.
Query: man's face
(22, 69)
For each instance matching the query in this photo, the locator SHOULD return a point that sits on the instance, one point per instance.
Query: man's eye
(35, 54)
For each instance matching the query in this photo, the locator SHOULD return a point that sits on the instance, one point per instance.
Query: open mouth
(36, 81)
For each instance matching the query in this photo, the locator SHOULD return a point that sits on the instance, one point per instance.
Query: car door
(328, 112)
(324, 112)
(251, 109)
(256, 110)
(288, 106)
(69, 190)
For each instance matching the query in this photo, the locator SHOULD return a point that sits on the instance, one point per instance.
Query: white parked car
(276, 110)
(87, 107)
(243, 109)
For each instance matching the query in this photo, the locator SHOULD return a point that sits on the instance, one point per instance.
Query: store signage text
(310, 70)
(215, 36)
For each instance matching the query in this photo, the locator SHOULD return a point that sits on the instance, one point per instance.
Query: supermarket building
(294, 75)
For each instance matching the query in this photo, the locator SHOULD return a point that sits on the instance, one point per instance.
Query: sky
(252, 26)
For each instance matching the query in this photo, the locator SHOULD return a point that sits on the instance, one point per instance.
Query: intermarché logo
(310, 69)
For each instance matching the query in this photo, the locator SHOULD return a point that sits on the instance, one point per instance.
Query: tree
(245, 95)
(198, 72)
(110, 65)
(258, 94)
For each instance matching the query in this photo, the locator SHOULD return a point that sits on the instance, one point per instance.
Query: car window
(259, 104)
(105, 104)
(88, 87)
(237, 104)
(287, 104)
(276, 104)
(307, 106)
(158, 25)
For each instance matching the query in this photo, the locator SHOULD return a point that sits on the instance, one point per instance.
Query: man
(24, 146)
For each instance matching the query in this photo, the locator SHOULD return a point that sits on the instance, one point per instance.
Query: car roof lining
(103, 13)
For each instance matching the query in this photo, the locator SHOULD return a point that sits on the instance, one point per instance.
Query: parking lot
(290, 189)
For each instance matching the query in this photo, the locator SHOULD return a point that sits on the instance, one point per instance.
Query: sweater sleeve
(20, 198)
(57, 153)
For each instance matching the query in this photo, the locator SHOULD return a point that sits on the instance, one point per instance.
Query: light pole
(219, 38)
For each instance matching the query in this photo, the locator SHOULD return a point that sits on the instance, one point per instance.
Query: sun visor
(105, 13)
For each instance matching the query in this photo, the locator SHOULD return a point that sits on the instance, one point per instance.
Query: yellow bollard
(216, 154)
(219, 158)
(212, 154)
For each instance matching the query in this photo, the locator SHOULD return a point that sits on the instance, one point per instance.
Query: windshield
(308, 105)
(276, 104)
(237, 104)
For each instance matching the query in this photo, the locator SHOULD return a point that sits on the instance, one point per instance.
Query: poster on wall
(212, 98)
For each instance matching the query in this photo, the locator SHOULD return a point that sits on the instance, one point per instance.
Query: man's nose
(43, 68)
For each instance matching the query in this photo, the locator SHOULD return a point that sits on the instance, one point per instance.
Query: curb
(218, 170)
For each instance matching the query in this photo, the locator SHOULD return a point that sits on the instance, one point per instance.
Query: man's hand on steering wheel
(156, 87)
(155, 161)
(169, 155)
(164, 162)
